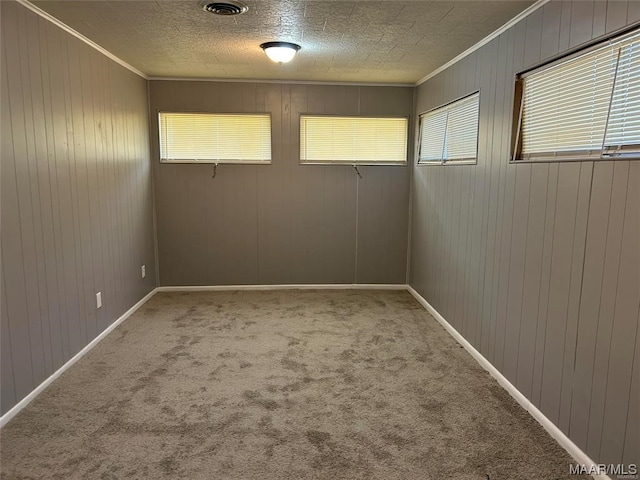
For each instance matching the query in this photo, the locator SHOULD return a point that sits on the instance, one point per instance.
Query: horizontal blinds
(623, 128)
(220, 138)
(462, 129)
(432, 136)
(450, 133)
(565, 107)
(327, 139)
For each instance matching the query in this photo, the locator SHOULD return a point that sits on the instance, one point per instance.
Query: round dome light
(280, 52)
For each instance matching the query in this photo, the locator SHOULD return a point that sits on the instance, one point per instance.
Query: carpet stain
(318, 439)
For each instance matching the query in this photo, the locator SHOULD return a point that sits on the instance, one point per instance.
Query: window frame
(518, 99)
(358, 163)
(213, 162)
(443, 162)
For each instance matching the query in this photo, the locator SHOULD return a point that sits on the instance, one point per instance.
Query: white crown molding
(121, 62)
(525, 13)
(79, 36)
(287, 82)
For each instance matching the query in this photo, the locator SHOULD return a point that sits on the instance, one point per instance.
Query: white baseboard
(579, 456)
(40, 388)
(335, 286)
(558, 435)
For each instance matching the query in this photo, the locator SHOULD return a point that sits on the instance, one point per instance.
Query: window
(215, 138)
(584, 107)
(353, 140)
(449, 134)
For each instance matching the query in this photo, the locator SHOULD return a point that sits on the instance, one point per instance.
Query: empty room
(294, 239)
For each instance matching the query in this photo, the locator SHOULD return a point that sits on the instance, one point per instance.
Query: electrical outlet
(143, 271)
(98, 299)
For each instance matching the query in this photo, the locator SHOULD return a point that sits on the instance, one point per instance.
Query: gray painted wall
(283, 223)
(538, 265)
(76, 197)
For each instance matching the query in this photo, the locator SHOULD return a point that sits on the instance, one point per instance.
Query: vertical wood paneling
(282, 223)
(299, 218)
(31, 219)
(49, 190)
(611, 267)
(505, 70)
(581, 22)
(86, 274)
(523, 207)
(382, 230)
(481, 193)
(575, 289)
(383, 194)
(617, 14)
(599, 19)
(633, 12)
(515, 287)
(272, 224)
(618, 410)
(41, 191)
(8, 398)
(453, 235)
(560, 283)
(460, 246)
(632, 437)
(545, 285)
(532, 277)
(601, 196)
(502, 319)
(551, 17)
(528, 261)
(494, 136)
(73, 183)
(565, 25)
(13, 265)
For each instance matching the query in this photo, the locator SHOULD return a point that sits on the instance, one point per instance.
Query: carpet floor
(279, 385)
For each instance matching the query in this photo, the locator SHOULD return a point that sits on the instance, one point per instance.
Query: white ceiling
(342, 41)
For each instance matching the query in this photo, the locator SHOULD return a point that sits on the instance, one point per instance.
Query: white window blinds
(353, 140)
(623, 127)
(215, 138)
(584, 107)
(450, 133)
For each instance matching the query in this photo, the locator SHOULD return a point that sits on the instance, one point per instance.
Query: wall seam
(152, 171)
(613, 317)
(415, 137)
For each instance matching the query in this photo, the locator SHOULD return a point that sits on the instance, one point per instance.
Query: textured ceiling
(348, 41)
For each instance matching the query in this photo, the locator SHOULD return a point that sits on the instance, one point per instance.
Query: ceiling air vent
(226, 8)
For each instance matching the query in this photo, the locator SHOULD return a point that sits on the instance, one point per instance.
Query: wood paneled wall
(76, 197)
(282, 223)
(538, 265)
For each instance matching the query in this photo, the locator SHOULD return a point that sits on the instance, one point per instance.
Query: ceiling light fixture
(280, 52)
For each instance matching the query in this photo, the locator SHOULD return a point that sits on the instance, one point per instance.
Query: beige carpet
(279, 385)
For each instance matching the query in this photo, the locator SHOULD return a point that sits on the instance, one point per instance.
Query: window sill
(447, 164)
